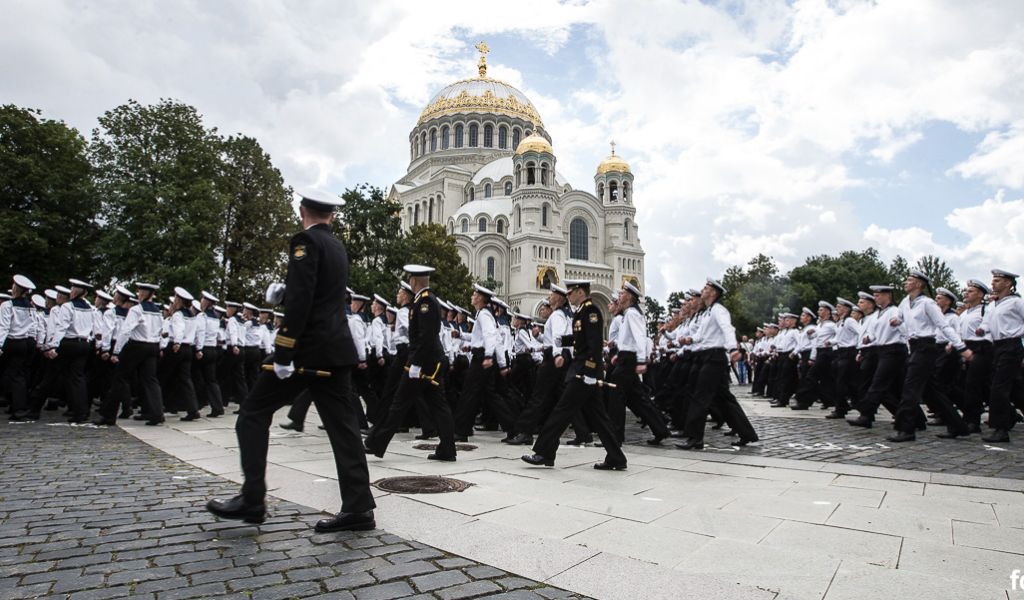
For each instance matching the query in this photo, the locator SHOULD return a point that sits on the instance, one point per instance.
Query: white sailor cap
(881, 288)
(788, 315)
(134, 300)
(947, 293)
(1006, 274)
(545, 302)
(231, 304)
(486, 292)
(981, 285)
(694, 292)
(24, 282)
(120, 289)
(761, 329)
(360, 297)
(266, 311)
(146, 286)
(219, 308)
(444, 305)
(196, 305)
(38, 300)
(418, 270)
(104, 295)
(319, 200)
(278, 313)
(919, 274)
(632, 289)
(716, 284)
(571, 284)
(61, 289)
(183, 294)
(51, 294)
(79, 283)
(865, 296)
(348, 290)
(559, 289)
(856, 309)
(250, 306)
(392, 310)
(828, 305)
(809, 312)
(405, 286)
(471, 319)
(960, 304)
(207, 295)
(771, 325)
(5, 296)
(379, 298)
(499, 302)
(844, 302)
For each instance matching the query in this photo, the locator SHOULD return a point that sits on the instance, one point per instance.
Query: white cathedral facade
(482, 164)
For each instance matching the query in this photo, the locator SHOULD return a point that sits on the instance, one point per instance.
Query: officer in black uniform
(315, 335)
(581, 387)
(423, 376)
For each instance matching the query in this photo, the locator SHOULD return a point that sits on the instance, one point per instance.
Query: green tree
(431, 245)
(826, 277)
(654, 312)
(157, 171)
(756, 293)
(369, 226)
(48, 204)
(674, 299)
(257, 223)
(939, 272)
(492, 284)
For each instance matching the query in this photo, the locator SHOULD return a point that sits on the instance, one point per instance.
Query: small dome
(534, 143)
(613, 163)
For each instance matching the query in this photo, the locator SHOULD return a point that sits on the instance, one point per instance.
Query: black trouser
(330, 395)
(234, 373)
(210, 387)
(883, 388)
(1006, 367)
(252, 357)
(520, 382)
(788, 377)
(477, 390)
(917, 372)
(545, 395)
(578, 397)
(844, 375)
(72, 355)
(423, 393)
(396, 372)
(939, 389)
(709, 378)
(683, 390)
(17, 352)
(817, 382)
(135, 357)
(759, 377)
(629, 393)
(179, 365)
(977, 381)
(377, 380)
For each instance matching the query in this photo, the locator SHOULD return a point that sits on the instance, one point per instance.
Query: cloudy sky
(791, 129)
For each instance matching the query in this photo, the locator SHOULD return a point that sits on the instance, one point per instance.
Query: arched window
(490, 267)
(519, 173)
(544, 173)
(501, 225)
(481, 225)
(546, 282)
(444, 138)
(408, 216)
(458, 135)
(488, 136)
(433, 140)
(503, 137)
(474, 130)
(472, 194)
(544, 216)
(508, 188)
(487, 190)
(625, 230)
(625, 191)
(519, 217)
(531, 177)
(600, 192)
(465, 226)
(423, 143)
(578, 240)
(416, 215)
(430, 211)
(613, 191)
(451, 228)
(515, 138)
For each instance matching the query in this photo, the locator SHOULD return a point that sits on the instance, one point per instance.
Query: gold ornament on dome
(613, 163)
(546, 270)
(486, 103)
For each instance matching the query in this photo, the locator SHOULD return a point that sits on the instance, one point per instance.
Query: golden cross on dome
(613, 147)
(483, 48)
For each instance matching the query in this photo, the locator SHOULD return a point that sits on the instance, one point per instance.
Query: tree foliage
(756, 293)
(939, 272)
(48, 204)
(654, 312)
(825, 277)
(431, 245)
(369, 225)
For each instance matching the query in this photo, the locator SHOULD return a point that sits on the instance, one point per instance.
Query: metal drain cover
(433, 446)
(420, 484)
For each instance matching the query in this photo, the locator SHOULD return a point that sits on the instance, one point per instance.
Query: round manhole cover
(433, 446)
(420, 484)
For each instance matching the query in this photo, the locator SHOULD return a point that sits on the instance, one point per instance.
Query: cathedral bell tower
(535, 235)
(613, 182)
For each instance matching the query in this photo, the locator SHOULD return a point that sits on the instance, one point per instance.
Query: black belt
(627, 355)
(922, 341)
(707, 352)
(1007, 342)
(979, 345)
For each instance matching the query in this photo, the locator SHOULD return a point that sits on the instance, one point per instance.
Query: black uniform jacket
(425, 348)
(314, 332)
(588, 340)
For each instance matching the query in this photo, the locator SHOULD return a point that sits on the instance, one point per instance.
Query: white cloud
(999, 159)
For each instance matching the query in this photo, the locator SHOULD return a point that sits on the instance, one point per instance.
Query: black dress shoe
(836, 415)
(799, 407)
(605, 466)
(742, 442)
(730, 433)
(18, 418)
(949, 435)
(191, 417)
(717, 426)
(370, 450)
(521, 440)
(579, 441)
(322, 428)
(78, 420)
(140, 418)
(973, 428)
(426, 435)
(461, 438)
(101, 422)
(861, 421)
(902, 436)
(154, 422)
(779, 404)
(485, 428)
(690, 444)
(538, 460)
(655, 441)
(436, 456)
(936, 423)
(125, 414)
(997, 436)
(214, 414)
(32, 417)
(344, 521)
(237, 508)
(291, 426)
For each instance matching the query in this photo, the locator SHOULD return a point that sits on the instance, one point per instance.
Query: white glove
(589, 380)
(275, 294)
(284, 371)
(414, 372)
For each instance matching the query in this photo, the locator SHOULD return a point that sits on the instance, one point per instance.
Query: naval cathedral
(483, 164)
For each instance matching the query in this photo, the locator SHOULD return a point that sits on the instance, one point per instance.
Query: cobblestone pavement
(94, 513)
(785, 434)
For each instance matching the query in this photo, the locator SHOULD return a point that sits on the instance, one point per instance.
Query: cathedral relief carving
(546, 276)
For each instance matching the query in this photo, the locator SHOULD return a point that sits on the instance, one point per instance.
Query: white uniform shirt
(485, 333)
(881, 331)
(848, 333)
(922, 318)
(143, 323)
(183, 327)
(207, 329)
(402, 325)
(1004, 318)
(233, 331)
(74, 320)
(714, 330)
(377, 328)
(17, 320)
(357, 326)
(970, 322)
(631, 334)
